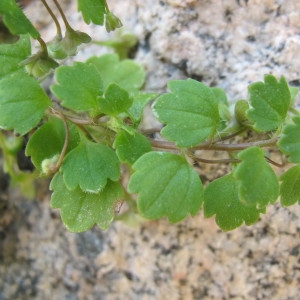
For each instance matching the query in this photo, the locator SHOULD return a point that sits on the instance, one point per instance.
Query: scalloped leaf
(127, 74)
(79, 210)
(15, 19)
(166, 185)
(78, 86)
(92, 11)
(190, 111)
(258, 184)
(21, 108)
(129, 147)
(48, 140)
(270, 101)
(221, 198)
(12, 54)
(290, 186)
(289, 142)
(115, 100)
(89, 166)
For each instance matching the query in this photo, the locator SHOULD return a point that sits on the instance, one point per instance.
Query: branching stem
(58, 28)
(68, 27)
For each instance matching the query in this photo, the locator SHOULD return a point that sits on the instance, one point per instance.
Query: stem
(216, 161)
(274, 162)
(58, 28)
(65, 146)
(43, 45)
(217, 147)
(68, 27)
(236, 147)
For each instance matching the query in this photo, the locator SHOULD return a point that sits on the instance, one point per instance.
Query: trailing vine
(86, 135)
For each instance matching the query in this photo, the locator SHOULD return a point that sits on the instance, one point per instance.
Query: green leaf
(126, 73)
(112, 22)
(129, 147)
(79, 210)
(92, 10)
(89, 166)
(78, 86)
(221, 197)
(115, 100)
(48, 141)
(289, 142)
(290, 186)
(270, 101)
(258, 184)
(15, 19)
(11, 55)
(190, 112)
(167, 186)
(22, 103)
(220, 95)
(139, 102)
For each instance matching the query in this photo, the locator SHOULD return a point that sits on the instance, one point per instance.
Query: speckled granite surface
(222, 43)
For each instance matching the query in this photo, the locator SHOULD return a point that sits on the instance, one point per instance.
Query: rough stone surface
(223, 43)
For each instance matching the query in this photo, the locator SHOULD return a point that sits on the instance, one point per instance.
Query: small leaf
(15, 19)
(258, 184)
(221, 197)
(89, 166)
(139, 102)
(92, 11)
(126, 73)
(190, 112)
(289, 142)
(21, 108)
(115, 100)
(112, 22)
(167, 186)
(11, 55)
(78, 86)
(220, 95)
(79, 210)
(48, 140)
(290, 186)
(270, 101)
(129, 147)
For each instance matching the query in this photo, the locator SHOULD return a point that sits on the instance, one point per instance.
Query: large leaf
(258, 184)
(290, 186)
(289, 142)
(15, 19)
(22, 102)
(126, 73)
(115, 100)
(79, 210)
(167, 186)
(12, 54)
(190, 112)
(221, 198)
(78, 86)
(48, 141)
(92, 10)
(129, 147)
(270, 101)
(89, 166)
